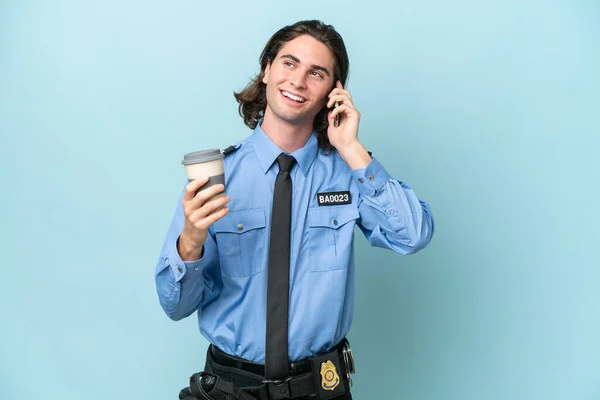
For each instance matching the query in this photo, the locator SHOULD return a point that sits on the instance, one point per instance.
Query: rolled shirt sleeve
(391, 214)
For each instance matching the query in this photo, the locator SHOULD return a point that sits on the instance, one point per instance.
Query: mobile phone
(336, 121)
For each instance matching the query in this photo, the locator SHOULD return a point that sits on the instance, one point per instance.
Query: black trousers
(238, 378)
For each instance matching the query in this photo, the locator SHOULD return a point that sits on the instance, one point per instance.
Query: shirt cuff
(371, 178)
(180, 267)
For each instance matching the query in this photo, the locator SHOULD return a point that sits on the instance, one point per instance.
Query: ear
(267, 72)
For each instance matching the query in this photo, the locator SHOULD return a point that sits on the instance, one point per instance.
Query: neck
(289, 137)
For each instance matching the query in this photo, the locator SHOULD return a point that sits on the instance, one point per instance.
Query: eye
(317, 74)
(288, 64)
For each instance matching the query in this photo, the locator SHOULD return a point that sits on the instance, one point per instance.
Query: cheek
(283, 76)
(322, 96)
(277, 74)
(321, 103)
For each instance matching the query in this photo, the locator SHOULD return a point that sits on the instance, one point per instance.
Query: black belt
(220, 357)
(306, 377)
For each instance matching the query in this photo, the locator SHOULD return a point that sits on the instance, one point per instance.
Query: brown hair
(253, 99)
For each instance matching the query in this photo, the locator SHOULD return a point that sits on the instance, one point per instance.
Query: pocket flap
(241, 221)
(331, 217)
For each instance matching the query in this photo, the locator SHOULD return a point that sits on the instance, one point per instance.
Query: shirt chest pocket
(331, 235)
(240, 238)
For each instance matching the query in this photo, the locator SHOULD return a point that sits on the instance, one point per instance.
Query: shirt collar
(267, 151)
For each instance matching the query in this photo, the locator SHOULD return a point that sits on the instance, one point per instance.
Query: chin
(297, 119)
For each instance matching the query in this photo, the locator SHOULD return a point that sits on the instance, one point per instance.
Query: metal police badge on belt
(329, 380)
(329, 377)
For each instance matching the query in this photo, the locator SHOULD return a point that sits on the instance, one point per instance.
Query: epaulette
(231, 149)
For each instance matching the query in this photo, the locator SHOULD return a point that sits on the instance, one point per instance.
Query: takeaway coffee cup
(205, 163)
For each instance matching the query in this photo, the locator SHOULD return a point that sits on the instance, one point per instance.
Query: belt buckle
(279, 388)
(348, 361)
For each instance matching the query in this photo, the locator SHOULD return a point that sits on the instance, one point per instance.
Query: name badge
(334, 198)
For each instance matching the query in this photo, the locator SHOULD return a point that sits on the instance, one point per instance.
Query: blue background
(488, 110)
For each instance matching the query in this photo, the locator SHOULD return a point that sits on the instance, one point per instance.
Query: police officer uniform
(228, 286)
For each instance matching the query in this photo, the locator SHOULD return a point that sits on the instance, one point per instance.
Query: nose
(298, 79)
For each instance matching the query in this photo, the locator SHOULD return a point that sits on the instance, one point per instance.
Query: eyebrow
(317, 67)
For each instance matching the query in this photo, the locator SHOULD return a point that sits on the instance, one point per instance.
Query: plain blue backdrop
(488, 110)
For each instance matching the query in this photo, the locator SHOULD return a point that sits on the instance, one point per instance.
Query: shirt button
(240, 227)
(335, 222)
(195, 268)
(179, 269)
(361, 180)
(371, 177)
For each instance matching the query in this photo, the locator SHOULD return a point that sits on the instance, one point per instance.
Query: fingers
(339, 89)
(345, 109)
(342, 98)
(192, 187)
(199, 200)
(337, 92)
(214, 217)
(205, 194)
(211, 211)
(204, 208)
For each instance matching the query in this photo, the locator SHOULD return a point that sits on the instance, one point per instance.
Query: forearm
(355, 155)
(184, 286)
(178, 299)
(391, 214)
(188, 248)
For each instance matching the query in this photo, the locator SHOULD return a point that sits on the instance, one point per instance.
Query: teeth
(293, 97)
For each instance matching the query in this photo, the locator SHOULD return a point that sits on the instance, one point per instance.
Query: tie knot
(285, 162)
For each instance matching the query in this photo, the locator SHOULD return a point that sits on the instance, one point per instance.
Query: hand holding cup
(203, 202)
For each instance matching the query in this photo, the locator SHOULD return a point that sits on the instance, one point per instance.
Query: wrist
(189, 248)
(355, 155)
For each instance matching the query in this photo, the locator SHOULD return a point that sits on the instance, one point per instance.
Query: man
(269, 267)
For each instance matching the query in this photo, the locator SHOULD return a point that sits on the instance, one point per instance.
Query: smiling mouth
(293, 97)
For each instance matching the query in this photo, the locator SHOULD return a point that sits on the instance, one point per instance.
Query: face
(298, 81)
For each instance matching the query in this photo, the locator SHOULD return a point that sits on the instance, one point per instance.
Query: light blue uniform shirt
(228, 285)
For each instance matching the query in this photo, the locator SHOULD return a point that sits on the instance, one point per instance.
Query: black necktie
(276, 357)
